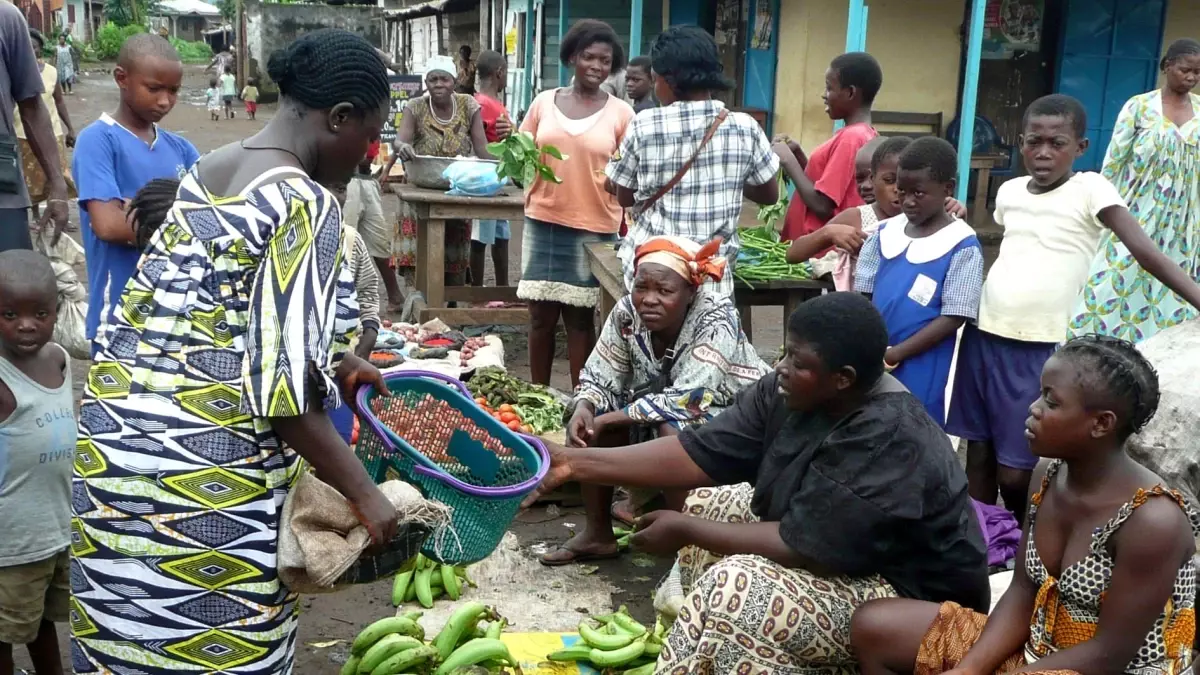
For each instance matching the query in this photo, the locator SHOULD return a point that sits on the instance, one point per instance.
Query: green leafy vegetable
(763, 257)
(770, 214)
(522, 160)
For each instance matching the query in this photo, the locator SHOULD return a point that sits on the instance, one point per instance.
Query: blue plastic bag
(473, 179)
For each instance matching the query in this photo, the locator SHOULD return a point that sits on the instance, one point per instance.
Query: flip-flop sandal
(575, 557)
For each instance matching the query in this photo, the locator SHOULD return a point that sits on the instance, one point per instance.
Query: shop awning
(429, 9)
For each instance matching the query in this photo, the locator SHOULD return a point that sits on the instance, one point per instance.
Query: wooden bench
(917, 124)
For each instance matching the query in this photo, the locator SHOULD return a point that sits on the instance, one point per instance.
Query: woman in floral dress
(211, 382)
(440, 124)
(1153, 160)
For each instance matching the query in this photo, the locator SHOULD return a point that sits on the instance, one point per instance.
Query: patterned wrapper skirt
(35, 178)
(554, 265)
(745, 614)
(955, 630)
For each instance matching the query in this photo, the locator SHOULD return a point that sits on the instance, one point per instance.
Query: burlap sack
(321, 540)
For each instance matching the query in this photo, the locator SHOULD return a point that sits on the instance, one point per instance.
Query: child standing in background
(493, 75)
(825, 184)
(924, 271)
(118, 154)
(37, 446)
(639, 84)
(363, 211)
(1053, 221)
(876, 177)
(250, 96)
(228, 91)
(212, 99)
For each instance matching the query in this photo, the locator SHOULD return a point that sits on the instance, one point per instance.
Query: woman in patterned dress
(212, 381)
(855, 494)
(1153, 160)
(440, 124)
(671, 355)
(1105, 580)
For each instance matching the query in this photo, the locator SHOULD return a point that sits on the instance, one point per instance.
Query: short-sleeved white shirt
(1049, 242)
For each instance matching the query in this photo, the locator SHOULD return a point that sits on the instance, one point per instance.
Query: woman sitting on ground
(671, 356)
(855, 494)
(439, 124)
(1105, 583)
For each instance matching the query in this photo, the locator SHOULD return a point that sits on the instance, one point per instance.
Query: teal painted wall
(615, 12)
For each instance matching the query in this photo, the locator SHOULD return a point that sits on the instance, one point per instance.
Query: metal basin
(426, 172)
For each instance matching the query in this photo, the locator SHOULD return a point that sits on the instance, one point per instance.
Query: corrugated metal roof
(429, 9)
(178, 7)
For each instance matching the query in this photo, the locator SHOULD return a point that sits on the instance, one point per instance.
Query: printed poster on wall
(764, 26)
(1012, 26)
(403, 88)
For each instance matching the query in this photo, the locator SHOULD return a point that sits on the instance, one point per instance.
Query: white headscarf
(439, 63)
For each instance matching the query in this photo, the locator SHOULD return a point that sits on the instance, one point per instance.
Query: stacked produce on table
(400, 341)
(615, 643)
(428, 580)
(524, 407)
(465, 645)
(763, 258)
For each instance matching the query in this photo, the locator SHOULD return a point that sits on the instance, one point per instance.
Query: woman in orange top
(587, 125)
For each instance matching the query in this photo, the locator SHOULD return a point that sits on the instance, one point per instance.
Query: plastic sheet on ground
(529, 650)
(490, 355)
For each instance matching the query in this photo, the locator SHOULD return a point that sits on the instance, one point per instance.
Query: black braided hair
(330, 66)
(39, 41)
(1177, 49)
(687, 57)
(1114, 375)
(148, 208)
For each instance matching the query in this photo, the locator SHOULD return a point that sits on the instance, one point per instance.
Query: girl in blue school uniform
(924, 271)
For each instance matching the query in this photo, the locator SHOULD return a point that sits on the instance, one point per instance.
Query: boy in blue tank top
(118, 154)
(37, 446)
(924, 271)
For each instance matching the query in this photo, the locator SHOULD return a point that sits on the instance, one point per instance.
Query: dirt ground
(341, 615)
(629, 580)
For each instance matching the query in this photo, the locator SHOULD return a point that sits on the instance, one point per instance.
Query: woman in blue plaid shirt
(737, 162)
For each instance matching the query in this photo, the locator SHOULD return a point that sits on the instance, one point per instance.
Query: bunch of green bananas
(425, 581)
(615, 643)
(396, 645)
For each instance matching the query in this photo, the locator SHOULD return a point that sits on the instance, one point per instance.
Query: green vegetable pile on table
(763, 257)
(521, 159)
(534, 404)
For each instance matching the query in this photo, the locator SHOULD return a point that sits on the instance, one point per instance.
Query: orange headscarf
(690, 260)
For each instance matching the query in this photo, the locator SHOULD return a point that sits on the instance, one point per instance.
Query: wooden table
(602, 258)
(434, 208)
(983, 164)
